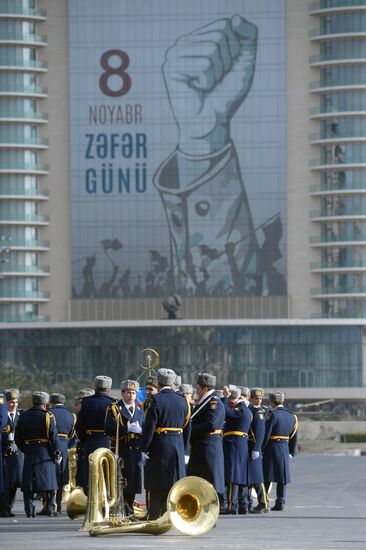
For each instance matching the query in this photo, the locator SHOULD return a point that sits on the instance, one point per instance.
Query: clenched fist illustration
(208, 74)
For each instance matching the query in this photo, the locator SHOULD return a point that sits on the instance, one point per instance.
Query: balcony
(338, 290)
(27, 244)
(334, 110)
(352, 133)
(336, 188)
(336, 240)
(340, 212)
(24, 295)
(356, 265)
(337, 5)
(24, 318)
(22, 116)
(23, 38)
(335, 59)
(23, 167)
(9, 269)
(354, 31)
(22, 13)
(23, 64)
(35, 219)
(8, 193)
(320, 164)
(20, 90)
(330, 83)
(23, 142)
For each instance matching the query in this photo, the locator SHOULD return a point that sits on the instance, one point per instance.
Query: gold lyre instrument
(192, 504)
(74, 496)
(149, 360)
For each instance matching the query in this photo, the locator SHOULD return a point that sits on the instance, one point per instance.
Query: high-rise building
(201, 161)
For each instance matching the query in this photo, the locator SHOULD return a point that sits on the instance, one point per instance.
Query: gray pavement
(325, 511)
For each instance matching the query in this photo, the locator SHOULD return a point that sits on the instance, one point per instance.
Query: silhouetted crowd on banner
(227, 437)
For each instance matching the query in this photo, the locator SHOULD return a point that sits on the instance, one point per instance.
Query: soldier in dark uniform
(128, 418)
(187, 391)
(279, 443)
(207, 420)
(151, 389)
(65, 422)
(3, 423)
(90, 422)
(163, 437)
(75, 442)
(235, 444)
(177, 384)
(13, 458)
(244, 497)
(256, 437)
(36, 437)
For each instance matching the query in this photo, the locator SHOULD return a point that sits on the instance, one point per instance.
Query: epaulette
(214, 401)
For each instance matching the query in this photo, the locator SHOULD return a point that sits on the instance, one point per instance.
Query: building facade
(107, 211)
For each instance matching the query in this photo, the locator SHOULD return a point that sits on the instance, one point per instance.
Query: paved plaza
(325, 510)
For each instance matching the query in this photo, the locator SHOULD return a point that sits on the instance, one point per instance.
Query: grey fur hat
(235, 393)
(186, 388)
(57, 399)
(166, 377)
(40, 398)
(277, 397)
(178, 380)
(130, 385)
(206, 379)
(103, 382)
(245, 392)
(84, 392)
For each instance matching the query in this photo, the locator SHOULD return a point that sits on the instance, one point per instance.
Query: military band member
(13, 458)
(90, 422)
(151, 389)
(3, 423)
(75, 442)
(256, 437)
(129, 418)
(207, 457)
(84, 392)
(279, 443)
(36, 437)
(177, 383)
(244, 497)
(65, 422)
(187, 391)
(235, 444)
(166, 421)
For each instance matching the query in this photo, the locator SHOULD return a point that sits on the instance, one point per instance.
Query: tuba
(192, 504)
(74, 496)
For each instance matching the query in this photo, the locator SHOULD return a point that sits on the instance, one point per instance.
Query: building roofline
(184, 323)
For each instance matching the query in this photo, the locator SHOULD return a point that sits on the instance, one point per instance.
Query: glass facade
(301, 356)
(342, 162)
(20, 166)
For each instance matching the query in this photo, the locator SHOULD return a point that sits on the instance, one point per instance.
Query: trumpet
(192, 504)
